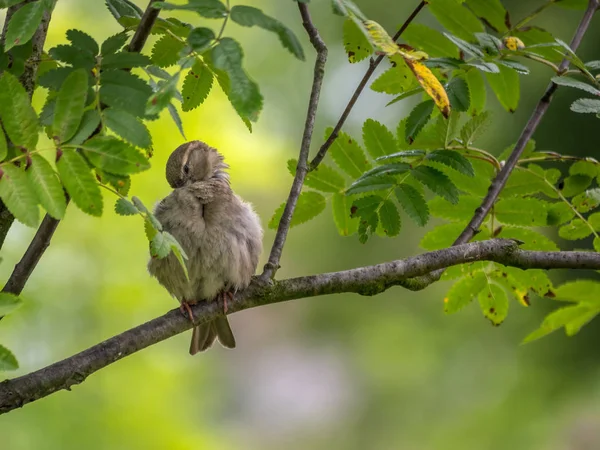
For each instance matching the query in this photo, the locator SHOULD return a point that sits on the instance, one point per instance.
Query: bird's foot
(184, 307)
(225, 295)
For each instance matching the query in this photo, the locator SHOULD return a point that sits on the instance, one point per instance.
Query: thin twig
(369, 281)
(302, 167)
(372, 66)
(144, 28)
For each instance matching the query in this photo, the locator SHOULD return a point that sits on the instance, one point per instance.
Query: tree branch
(372, 66)
(43, 235)
(302, 169)
(368, 281)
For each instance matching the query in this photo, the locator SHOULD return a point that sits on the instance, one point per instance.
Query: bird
(220, 233)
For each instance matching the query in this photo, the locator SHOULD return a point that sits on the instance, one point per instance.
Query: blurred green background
(336, 372)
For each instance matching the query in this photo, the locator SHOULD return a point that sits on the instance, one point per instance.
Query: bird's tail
(205, 334)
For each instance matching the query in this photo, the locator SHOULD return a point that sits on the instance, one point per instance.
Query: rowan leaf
(474, 127)
(458, 94)
(114, 43)
(18, 195)
(429, 40)
(7, 360)
(577, 315)
(18, 116)
(348, 155)
(521, 211)
(437, 182)
(574, 230)
(586, 201)
(166, 51)
(369, 184)
(341, 205)
(431, 85)
(505, 85)
(23, 24)
(464, 291)
(47, 186)
(395, 80)
(200, 38)
(494, 303)
(461, 211)
(356, 44)
(128, 127)
(559, 213)
(417, 119)
(326, 179)
(211, 9)
(196, 86)
(466, 47)
(413, 203)
(89, 123)
(124, 207)
(120, 8)
(79, 182)
(532, 240)
(575, 184)
(3, 145)
(115, 156)
(9, 303)
(125, 60)
(378, 140)
(389, 218)
(492, 11)
(162, 96)
(452, 159)
(83, 41)
(586, 106)
(70, 104)
(310, 205)
(123, 90)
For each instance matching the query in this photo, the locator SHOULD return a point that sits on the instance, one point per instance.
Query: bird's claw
(185, 307)
(224, 295)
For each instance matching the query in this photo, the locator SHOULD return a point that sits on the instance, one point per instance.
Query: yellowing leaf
(431, 85)
(513, 43)
(381, 38)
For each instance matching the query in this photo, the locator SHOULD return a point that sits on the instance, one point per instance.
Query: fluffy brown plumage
(220, 233)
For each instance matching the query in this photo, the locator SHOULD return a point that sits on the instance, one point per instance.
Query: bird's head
(194, 161)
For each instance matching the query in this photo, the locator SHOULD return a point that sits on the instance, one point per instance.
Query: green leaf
(389, 218)
(115, 156)
(18, 195)
(575, 184)
(572, 82)
(356, 44)
(123, 90)
(587, 200)
(54, 79)
(69, 106)
(464, 291)
(452, 159)
(8, 303)
(559, 318)
(518, 67)
(461, 211)
(505, 85)
(442, 236)
(395, 80)
(166, 50)
(120, 8)
(532, 239)
(160, 246)
(162, 97)
(125, 60)
(243, 92)
(348, 155)
(559, 213)
(369, 184)
(466, 47)
(175, 116)
(474, 128)
(456, 18)
(458, 94)
(7, 360)
(386, 169)
(47, 186)
(128, 127)
(437, 182)
(8, 3)
(18, 116)
(79, 182)
(83, 41)
(492, 11)
(121, 183)
(324, 178)
(413, 203)
(23, 24)
(89, 123)
(523, 182)
(586, 106)
(494, 303)
(417, 119)
(521, 211)
(341, 205)
(73, 56)
(403, 154)
(585, 168)
(580, 291)
(199, 39)
(114, 43)
(527, 151)
(366, 209)
(249, 16)
(124, 207)
(429, 40)
(378, 140)
(310, 205)
(574, 230)
(211, 9)
(196, 86)
(3, 145)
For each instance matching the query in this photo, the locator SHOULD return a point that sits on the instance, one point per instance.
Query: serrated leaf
(477, 92)
(429, 40)
(18, 116)
(125, 60)
(70, 104)
(389, 218)
(89, 123)
(196, 86)
(162, 96)
(417, 119)
(464, 291)
(324, 178)
(572, 82)
(452, 159)
(200, 38)
(587, 200)
(166, 50)
(175, 116)
(589, 168)
(310, 204)
(47, 186)
(8, 303)
(437, 182)
(458, 94)
(121, 183)
(54, 79)
(115, 156)
(473, 128)
(579, 291)
(348, 155)
(559, 213)
(23, 24)
(79, 182)
(386, 169)
(249, 16)
(370, 184)
(341, 205)
(461, 211)
(114, 43)
(160, 246)
(124, 207)
(442, 236)
(586, 106)
(521, 211)
(506, 86)
(403, 154)
(574, 230)
(561, 317)
(18, 195)
(518, 67)
(413, 203)
(125, 91)
(356, 44)
(73, 56)
(378, 140)
(395, 80)
(467, 47)
(7, 359)
(532, 239)
(575, 184)
(243, 92)
(120, 8)
(211, 9)
(8, 3)
(431, 85)
(494, 303)
(83, 41)
(492, 11)
(3, 145)
(128, 127)
(365, 208)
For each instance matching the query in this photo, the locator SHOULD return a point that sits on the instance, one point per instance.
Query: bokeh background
(335, 372)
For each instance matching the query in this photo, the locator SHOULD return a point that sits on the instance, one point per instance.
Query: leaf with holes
(80, 183)
(310, 205)
(18, 195)
(47, 186)
(196, 86)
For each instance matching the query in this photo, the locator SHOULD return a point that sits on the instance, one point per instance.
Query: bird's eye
(186, 169)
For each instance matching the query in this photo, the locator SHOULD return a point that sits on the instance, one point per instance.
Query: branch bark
(368, 281)
(302, 169)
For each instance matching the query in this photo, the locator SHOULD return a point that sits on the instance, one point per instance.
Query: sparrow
(220, 233)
